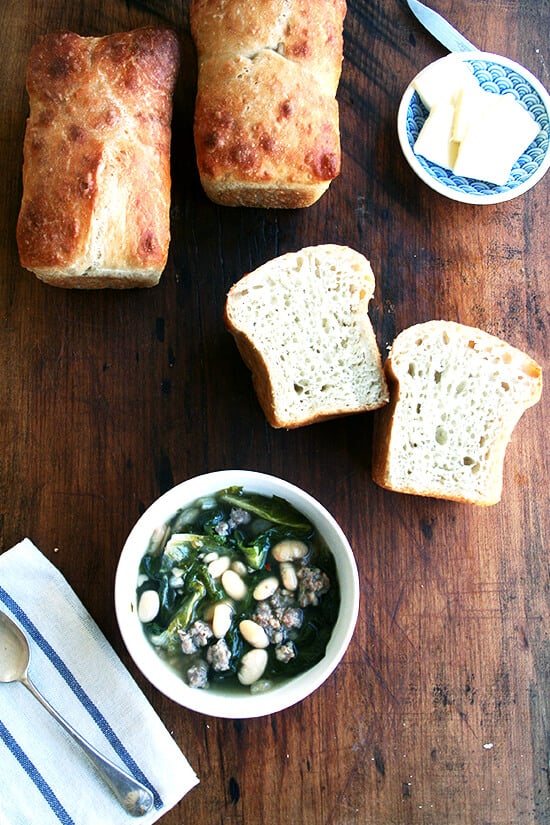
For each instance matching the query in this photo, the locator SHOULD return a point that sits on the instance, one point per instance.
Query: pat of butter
(470, 102)
(475, 133)
(441, 81)
(495, 139)
(434, 141)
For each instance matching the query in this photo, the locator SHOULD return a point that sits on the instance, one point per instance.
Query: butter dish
(499, 76)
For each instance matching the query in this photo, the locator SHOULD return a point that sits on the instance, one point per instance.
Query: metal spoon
(135, 798)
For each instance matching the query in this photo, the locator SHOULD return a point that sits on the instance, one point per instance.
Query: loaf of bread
(456, 394)
(96, 171)
(301, 324)
(266, 116)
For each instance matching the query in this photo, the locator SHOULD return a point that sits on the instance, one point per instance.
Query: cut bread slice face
(456, 394)
(301, 324)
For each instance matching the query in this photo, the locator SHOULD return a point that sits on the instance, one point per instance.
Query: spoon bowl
(15, 657)
(14, 651)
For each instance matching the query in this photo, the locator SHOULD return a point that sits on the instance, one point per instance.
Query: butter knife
(440, 28)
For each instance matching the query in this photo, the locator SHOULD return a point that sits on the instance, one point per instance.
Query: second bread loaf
(266, 116)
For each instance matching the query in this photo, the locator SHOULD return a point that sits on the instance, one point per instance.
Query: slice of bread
(456, 394)
(301, 324)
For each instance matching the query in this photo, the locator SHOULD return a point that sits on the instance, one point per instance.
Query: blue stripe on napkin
(81, 695)
(32, 771)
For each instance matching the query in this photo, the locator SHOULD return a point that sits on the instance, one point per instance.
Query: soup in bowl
(236, 594)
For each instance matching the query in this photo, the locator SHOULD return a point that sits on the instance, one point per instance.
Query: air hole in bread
(445, 338)
(471, 344)
(412, 370)
(437, 376)
(441, 435)
(505, 386)
(298, 389)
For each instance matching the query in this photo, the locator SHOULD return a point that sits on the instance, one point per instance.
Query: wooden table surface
(439, 711)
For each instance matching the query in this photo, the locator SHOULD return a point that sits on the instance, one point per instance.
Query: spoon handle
(135, 798)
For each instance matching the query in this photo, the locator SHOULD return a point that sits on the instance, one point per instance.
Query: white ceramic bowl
(216, 702)
(501, 76)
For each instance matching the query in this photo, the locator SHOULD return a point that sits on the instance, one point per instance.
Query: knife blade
(440, 28)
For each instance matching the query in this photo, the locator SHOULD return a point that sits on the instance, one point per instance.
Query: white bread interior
(301, 324)
(456, 394)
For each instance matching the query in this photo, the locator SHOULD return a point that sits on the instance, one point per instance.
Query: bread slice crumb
(456, 394)
(301, 324)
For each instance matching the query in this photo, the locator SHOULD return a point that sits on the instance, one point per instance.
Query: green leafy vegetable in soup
(238, 589)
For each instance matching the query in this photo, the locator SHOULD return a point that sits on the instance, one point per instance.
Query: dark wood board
(438, 714)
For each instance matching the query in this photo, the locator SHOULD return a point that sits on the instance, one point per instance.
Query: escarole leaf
(185, 547)
(273, 509)
(214, 590)
(185, 614)
(256, 551)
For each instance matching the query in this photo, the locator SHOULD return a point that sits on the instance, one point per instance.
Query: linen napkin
(45, 777)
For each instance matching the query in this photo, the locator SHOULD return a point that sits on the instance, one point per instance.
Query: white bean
(149, 606)
(265, 588)
(157, 540)
(221, 619)
(212, 556)
(208, 611)
(239, 567)
(253, 633)
(233, 585)
(288, 575)
(219, 566)
(289, 549)
(252, 667)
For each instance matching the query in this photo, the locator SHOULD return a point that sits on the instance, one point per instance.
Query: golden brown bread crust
(308, 34)
(382, 430)
(96, 172)
(266, 117)
(255, 362)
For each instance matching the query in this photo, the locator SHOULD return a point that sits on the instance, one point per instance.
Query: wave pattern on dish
(498, 79)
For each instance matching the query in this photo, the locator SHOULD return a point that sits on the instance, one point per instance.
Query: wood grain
(438, 714)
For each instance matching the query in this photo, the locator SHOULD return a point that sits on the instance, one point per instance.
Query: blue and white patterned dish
(501, 76)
